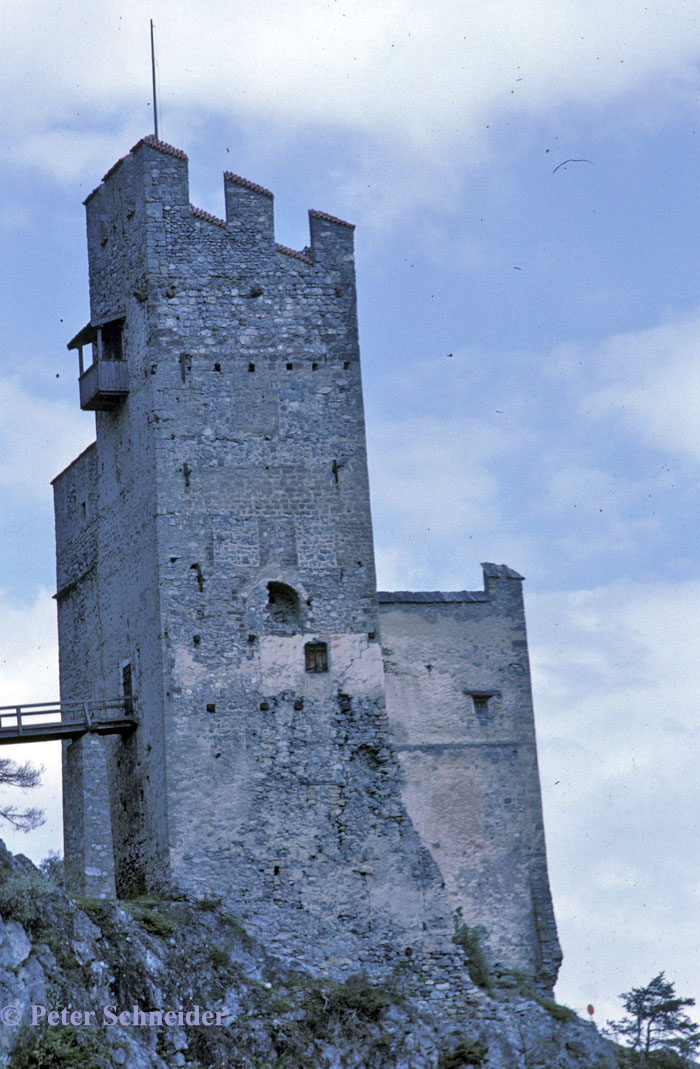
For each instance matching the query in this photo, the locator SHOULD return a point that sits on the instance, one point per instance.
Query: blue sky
(530, 336)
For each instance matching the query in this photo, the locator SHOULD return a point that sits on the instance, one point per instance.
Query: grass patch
(151, 921)
(154, 923)
(559, 1013)
(218, 957)
(467, 1052)
(208, 905)
(354, 1000)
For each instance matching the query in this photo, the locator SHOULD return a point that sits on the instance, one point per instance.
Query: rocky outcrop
(154, 984)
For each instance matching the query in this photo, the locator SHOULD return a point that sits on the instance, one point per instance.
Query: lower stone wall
(87, 825)
(460, 708)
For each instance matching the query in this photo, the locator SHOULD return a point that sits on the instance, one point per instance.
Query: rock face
(155, 984)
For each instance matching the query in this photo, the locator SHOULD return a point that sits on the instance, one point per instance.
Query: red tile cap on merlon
(162, 146)
(331, 218)
(149, 139)
(199, 213)
(294, 252)
(246, 183)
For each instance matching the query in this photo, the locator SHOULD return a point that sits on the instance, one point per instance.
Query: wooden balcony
(105, 382)
(104, 385)
(45, 721)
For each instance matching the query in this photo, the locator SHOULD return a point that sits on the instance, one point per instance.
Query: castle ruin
(347, 768)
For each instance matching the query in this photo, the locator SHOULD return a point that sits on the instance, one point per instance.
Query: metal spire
(153, 75)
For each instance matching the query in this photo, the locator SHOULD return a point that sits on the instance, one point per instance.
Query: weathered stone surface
(460, 707)
(158, 956)
(214, 552)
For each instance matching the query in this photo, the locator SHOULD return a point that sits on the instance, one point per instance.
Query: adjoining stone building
(347, 768)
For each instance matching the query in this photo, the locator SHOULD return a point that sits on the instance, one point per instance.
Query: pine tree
(655, 1020)
(25, 777)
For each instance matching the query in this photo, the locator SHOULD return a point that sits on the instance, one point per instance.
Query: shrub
(473, 943)
(656, 1059)
(47, 1048)
(27, 897)
(155, 923)
(354, 1000)
(54, 869)
(467, 1052)
(218, 957)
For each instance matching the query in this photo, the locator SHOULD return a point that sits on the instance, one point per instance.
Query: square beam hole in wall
(481, 700)
(316, 656)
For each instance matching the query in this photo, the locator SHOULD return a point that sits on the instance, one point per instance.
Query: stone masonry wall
(232, 529)
(86, 802)
(460, 707)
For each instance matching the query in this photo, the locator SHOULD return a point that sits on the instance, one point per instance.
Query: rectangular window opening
(127, 688)
(316, 656)
(112, 340)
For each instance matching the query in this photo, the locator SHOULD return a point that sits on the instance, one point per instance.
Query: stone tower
(215, 569)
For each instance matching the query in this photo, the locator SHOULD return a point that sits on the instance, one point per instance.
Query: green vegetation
(656, 1026)
(28, 897)
(101, 911)
(559, 1013)
(154, 923)
(304, 1016)
(656, 1059)
(218, 957)
(53, 868)
(473, 943)
(208, 904)
(47, 1048)
(354, 1000)
(466, 1052)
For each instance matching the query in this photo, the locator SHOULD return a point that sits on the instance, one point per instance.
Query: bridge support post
(87, 819)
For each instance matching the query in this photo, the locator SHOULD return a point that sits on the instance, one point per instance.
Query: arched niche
(283, 609)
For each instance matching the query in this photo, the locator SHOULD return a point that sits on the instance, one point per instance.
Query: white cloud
(616, 682)
(28, 650)
(650, 380)
(420, 77)
(534, 459)
(69, 154)
(426, 463)
(439, 502)
(33, 450)
(29, 674)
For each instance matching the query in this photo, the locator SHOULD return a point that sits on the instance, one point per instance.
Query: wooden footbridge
(46, 721)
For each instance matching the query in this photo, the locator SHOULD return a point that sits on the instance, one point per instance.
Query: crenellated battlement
(249, 207)
(236, 179)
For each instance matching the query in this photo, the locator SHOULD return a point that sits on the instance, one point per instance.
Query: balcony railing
(103, 385)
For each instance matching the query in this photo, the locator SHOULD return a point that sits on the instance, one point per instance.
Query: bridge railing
(66, 719)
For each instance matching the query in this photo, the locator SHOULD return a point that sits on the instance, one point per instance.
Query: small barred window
(316, 655)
